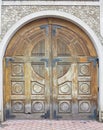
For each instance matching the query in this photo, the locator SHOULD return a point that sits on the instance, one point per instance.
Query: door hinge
(95, 60)
(54, 28)
(46, 115)
(55, 60)
(94, 115)
(45, 60)
(56, 116)
(46, 27)
(9, 59)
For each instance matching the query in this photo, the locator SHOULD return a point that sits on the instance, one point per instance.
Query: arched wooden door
(50, 68)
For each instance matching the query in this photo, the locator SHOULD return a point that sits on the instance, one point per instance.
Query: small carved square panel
(65, 88)
(84, 69)
(84, 88)
(38, 106)
(17, 88)
(84, 106)
(17, 69)
(17, 106)
(37, 88)
(65, 106)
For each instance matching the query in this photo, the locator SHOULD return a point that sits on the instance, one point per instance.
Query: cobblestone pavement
(51, 125)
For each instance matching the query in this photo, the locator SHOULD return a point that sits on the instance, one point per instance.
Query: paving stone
(50, 125)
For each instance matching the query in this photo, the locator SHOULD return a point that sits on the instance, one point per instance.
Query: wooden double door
(50, 72)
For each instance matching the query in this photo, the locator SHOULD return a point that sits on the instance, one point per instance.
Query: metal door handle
(55, 60)
(45, 60)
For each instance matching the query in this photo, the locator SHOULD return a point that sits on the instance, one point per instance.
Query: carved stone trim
(92, 3)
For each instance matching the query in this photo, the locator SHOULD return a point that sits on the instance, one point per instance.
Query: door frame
(62, 15)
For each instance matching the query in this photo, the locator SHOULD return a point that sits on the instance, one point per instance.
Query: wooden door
(50, 72)
(27, 78)
(74, 77)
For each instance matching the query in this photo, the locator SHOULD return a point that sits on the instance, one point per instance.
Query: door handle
(55, 60)
(45, 60)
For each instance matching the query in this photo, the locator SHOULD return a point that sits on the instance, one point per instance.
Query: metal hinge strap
(54, 28)
(55, 60)
(45, 60)
(9, 59)
(46, 115)
(95, 60)
(46, 27)
(56, 116)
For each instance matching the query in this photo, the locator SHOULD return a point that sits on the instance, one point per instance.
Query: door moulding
(61, 15)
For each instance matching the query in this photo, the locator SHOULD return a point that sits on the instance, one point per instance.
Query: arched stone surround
(62, 15)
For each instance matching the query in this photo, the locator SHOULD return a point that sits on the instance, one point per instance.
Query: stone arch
(57, 14)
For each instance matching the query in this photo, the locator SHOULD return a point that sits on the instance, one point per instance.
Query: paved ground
(51, 125)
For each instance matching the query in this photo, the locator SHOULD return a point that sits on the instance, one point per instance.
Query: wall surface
(88, 14)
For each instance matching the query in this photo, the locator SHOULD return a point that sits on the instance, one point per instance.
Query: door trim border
(62, 15)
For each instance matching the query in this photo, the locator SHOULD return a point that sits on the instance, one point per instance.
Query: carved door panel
(74, 79)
